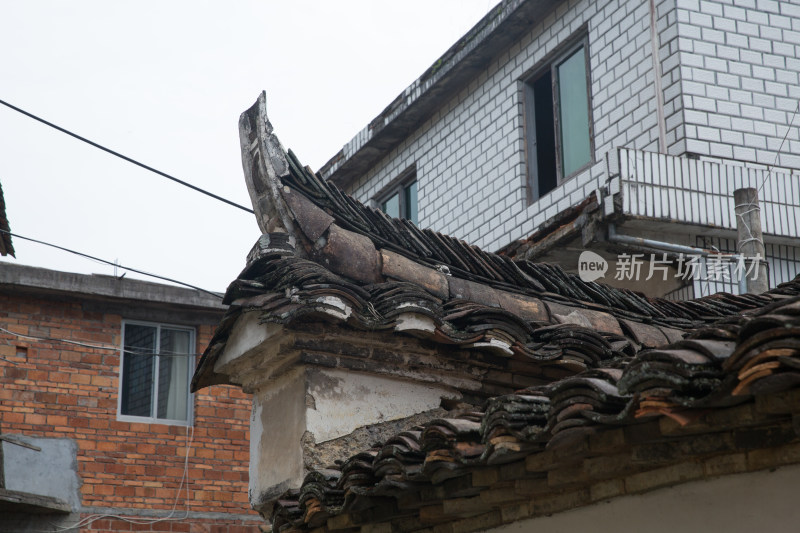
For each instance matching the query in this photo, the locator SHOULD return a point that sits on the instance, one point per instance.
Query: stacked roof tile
(758, 357)
(473, 298)
(532, 312)
(631, 370)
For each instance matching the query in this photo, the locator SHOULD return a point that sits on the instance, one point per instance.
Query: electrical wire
(126, 158)
(751, 205)
(93, 258)
(780, 148)
(88, 520)
(5, 341)
(164, 353)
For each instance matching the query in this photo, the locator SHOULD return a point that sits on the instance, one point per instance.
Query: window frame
(550, 65)
(398, 187)
(154, 402)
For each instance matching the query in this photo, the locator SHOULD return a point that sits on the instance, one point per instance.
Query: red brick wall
(52, 389)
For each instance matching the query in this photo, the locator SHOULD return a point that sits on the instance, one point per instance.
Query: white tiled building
(544, 104)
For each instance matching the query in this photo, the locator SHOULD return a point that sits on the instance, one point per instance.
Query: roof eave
(41, 281)
(495, 32)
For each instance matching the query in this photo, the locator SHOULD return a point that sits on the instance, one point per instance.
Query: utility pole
(751, 239)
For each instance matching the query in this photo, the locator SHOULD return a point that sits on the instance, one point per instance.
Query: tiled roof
(599, 372)
(6, 247)
(354, 264)
(720, 401)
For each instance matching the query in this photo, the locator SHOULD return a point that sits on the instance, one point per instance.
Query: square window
(558, 120)
(400, 199)
(155, 369)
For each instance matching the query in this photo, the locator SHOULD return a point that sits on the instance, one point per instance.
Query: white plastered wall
(326, 404)
(740, 503)
(341, 402)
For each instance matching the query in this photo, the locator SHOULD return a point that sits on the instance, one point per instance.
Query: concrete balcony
(690, 201)
(700, 192)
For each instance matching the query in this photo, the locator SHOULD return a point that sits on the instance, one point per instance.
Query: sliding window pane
(173, 374)
(392, 206)
(574, 113)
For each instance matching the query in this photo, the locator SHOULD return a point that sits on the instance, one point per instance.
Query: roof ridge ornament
(264, 162)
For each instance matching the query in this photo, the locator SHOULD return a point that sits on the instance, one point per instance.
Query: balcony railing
(700, 192)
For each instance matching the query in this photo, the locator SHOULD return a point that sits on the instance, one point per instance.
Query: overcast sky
(164, 83)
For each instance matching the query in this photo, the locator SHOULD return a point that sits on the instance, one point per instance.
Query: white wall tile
(730, 81)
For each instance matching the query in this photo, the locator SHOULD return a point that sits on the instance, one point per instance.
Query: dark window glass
(137, 370)
(400, 201)
(545, 135)
(411, 202)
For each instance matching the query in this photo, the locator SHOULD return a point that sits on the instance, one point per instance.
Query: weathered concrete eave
(12, 501)
(465, 60)
(119, 293)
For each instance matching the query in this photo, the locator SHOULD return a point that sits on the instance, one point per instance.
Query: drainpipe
(751, 239)
(657, 83)
(651, 244)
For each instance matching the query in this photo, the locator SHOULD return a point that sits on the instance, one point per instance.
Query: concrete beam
(22, 278)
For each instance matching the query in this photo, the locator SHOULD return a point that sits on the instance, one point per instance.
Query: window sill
(147, 420)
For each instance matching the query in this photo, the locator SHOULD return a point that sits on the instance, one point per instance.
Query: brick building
(96, 438)
(643, 116)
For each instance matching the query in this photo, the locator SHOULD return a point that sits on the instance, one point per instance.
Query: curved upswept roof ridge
(320, 246)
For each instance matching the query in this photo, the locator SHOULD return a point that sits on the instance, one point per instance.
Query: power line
(750, 206)
(93, 258)
(163, 353)
(126, 158)
(185, 481)
(780, 148)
